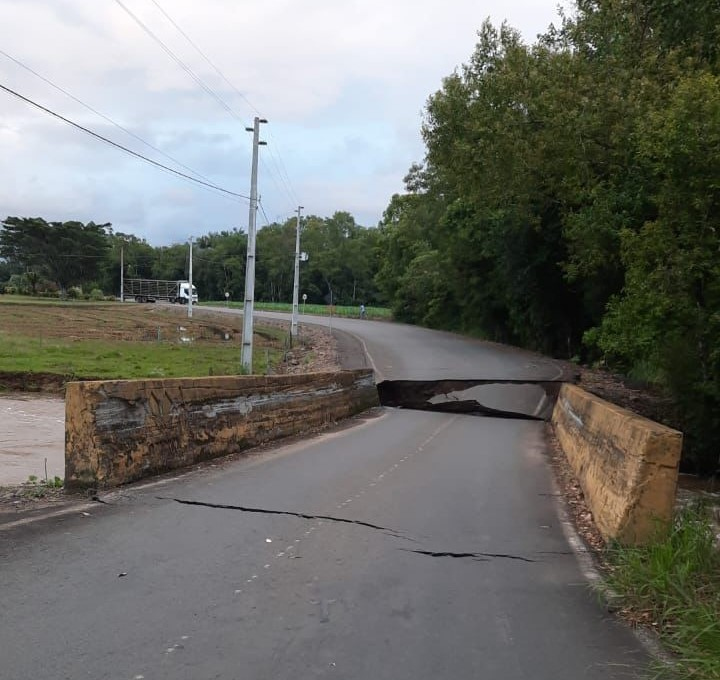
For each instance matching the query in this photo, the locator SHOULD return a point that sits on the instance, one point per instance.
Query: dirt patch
(130, 322)
(315, 351)
(645, 400)
(32, 496)
(573, 495)
(49, 383)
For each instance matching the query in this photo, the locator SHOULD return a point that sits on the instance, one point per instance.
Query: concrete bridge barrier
(122, 430)
(627, 465)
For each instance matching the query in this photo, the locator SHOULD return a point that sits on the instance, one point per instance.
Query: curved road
(408, 545)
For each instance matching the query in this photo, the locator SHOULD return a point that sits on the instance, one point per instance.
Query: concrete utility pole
(190, 294)
(296, 282)
(247, 339)
(122, 273)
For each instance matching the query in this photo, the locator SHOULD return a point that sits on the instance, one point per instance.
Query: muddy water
(32, 429)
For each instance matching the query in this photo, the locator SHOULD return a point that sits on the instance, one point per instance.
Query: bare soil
(646, 400)
(115, 322)
(24, 497)
(315, 351)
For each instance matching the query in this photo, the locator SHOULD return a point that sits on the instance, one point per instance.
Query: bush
(18, 285)
(96, 294)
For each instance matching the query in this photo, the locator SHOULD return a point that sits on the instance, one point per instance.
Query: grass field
(113, 340)
(376, 313)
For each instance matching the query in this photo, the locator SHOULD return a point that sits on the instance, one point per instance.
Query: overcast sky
(342, 82)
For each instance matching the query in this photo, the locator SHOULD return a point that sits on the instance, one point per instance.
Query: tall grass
(675, 582)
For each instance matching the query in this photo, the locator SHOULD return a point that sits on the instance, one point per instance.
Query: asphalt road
(410, 545)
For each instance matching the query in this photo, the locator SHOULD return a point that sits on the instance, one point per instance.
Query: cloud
(343, 83)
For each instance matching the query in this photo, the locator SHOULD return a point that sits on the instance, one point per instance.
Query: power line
(102, 115)
(286, 182)
(282, 169)
(179, 61)
(279, 165)
(205, 57)
(274, 181)
(210, 185)
(262, 209)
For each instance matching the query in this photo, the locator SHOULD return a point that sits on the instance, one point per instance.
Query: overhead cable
(205, 57)
(179, 61)
(280, 169)
(262, 209)
(99, 137)
(102, 115)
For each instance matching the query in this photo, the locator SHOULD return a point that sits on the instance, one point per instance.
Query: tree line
(569, 200)
(72, 258)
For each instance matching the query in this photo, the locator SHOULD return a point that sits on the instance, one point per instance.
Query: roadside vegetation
(82, 261)
(85, 340)
(673, 586)
(345, 311)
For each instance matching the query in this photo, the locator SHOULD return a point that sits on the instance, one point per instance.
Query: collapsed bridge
(501, 398)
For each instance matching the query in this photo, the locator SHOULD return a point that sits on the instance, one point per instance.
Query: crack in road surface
(461, 396)
(302, 515)
(477, 556)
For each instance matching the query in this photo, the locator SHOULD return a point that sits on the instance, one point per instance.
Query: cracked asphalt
(413, 545)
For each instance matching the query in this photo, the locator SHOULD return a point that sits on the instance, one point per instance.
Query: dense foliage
(570, 199)
(69, 257)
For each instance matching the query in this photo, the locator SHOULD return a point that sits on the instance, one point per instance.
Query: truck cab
(183, 292)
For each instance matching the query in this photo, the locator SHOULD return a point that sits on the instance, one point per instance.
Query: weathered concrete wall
(122, 430)
(627, 465)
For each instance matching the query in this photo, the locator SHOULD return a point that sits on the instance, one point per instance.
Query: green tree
(68, 253)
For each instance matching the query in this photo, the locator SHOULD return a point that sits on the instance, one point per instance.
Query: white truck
(152, 290)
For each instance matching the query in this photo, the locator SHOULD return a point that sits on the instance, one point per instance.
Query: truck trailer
(152, 290)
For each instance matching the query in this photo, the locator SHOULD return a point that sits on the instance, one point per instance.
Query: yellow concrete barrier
(627, 465)
(118, 431)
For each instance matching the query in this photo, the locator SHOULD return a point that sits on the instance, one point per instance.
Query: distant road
(403, 352)
(409, 546)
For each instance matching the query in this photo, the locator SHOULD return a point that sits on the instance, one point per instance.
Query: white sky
(342, 82)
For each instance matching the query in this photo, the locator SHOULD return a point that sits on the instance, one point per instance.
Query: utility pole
(122, 273)
(296, 282)
(247, 339)
(190, 288)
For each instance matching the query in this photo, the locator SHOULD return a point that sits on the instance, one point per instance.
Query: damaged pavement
(503, 398)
